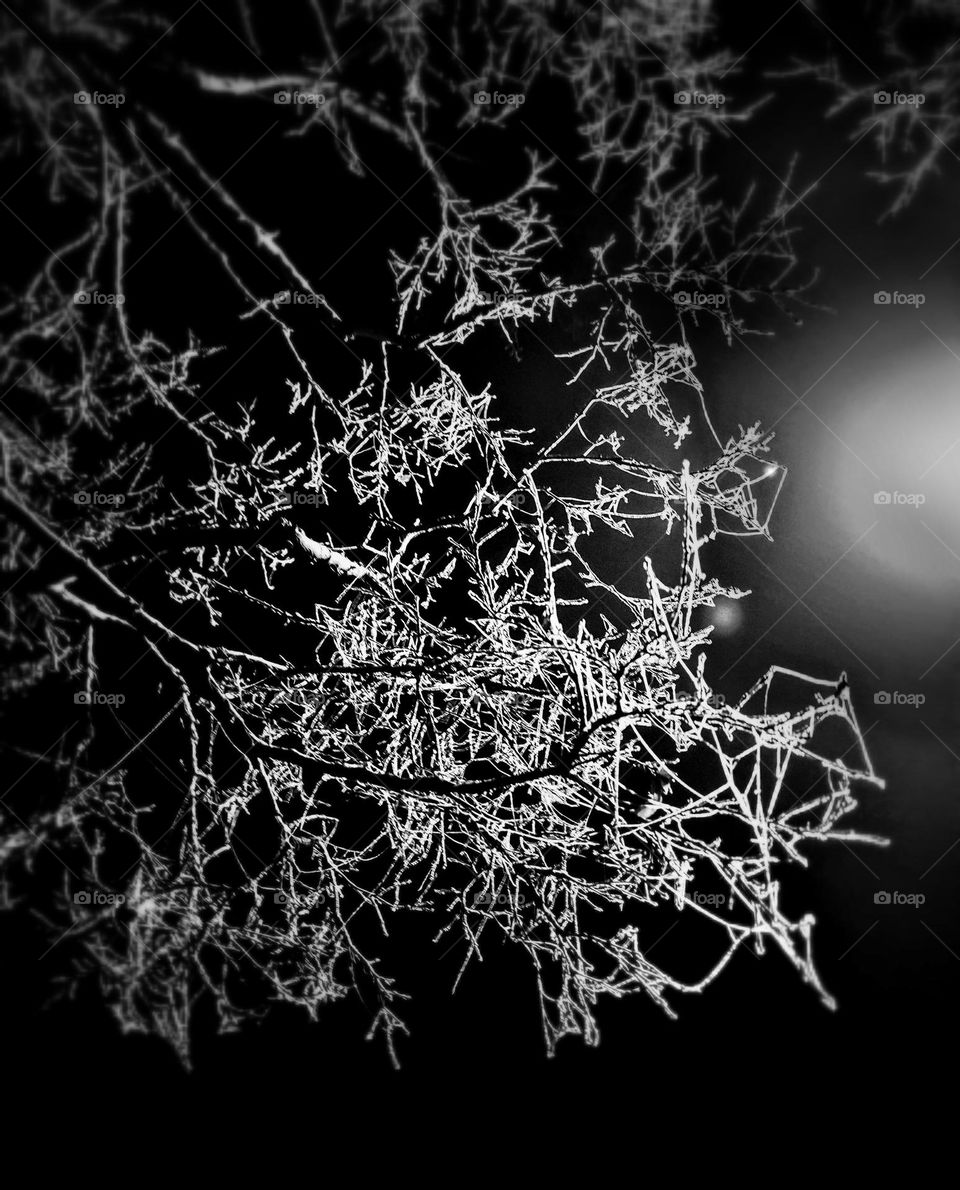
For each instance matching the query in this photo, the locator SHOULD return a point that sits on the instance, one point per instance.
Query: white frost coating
(529, 733)
(334, 558)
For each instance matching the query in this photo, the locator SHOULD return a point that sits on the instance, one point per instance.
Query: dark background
(845, 585)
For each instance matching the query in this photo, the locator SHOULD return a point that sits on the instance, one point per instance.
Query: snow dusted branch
(397, 672)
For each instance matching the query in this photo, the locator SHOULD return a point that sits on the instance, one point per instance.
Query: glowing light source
(726, 617)
(901, 474)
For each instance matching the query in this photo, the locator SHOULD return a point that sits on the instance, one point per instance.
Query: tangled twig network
(394, 666)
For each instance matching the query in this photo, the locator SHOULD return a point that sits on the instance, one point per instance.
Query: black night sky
(864, 399)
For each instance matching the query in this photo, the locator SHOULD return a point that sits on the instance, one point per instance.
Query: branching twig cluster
(451, 703)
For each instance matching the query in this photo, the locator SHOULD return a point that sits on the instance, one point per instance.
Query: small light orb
(726, 617)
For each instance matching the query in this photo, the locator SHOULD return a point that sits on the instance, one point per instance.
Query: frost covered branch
(394, 671)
